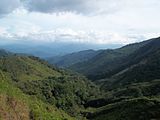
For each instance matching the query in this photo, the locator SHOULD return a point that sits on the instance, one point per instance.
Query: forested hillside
(132, 88)
(130, 78)
(102, 64)
(45, 90)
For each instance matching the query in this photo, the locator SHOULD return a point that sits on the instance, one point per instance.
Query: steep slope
(52, 86)
(142, 66)
(16, 105)
(73, 58)
(102, 64)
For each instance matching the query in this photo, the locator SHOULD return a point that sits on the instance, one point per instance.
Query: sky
(79, 21)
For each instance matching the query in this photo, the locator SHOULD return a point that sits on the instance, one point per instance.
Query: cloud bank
(92, 21)
(50, 6)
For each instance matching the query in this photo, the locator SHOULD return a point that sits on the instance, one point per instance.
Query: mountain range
(105, 63)
(112, 84)
(129, 77)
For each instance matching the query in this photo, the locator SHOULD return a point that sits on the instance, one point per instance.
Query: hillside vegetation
(15, 105)
(128, 79)
(101, 65)
(36, 80)
(132, 89)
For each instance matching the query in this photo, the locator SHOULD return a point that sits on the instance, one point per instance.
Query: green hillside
(101, 65)
(49, 86)
(15, 105)
(141, 66)
(130, 78)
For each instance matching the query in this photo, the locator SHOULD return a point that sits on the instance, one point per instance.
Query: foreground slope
(37, 79)
(15, 105)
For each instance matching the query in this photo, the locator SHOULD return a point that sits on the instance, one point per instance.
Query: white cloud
(69, 35)
(93, 21)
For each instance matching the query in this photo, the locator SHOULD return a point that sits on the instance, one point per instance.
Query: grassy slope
(49, 85)
(14, 104)
(24, 68)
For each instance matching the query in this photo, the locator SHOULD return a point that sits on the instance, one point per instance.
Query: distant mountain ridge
(73, 58)
(116, 62)
(50, 49)
(103, 61)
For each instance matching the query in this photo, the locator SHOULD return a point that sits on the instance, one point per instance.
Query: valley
(113, 84)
